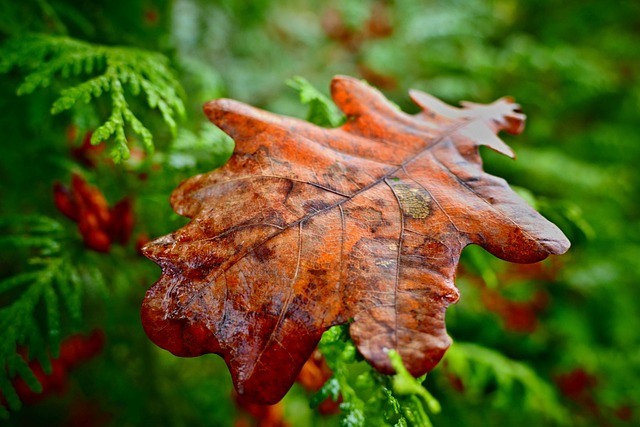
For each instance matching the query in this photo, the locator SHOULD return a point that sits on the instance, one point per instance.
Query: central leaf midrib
(448, 132)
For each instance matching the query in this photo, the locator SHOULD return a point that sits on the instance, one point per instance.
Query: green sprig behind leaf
(52, 280)
(117, 71)
(367, 394)
(322, 111)
(404, 384)
(482, 368)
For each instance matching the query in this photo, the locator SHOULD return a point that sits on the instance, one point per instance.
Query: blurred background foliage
(549, 344)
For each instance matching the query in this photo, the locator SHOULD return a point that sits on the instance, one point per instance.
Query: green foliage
(111, 70)
(51, 280)
(509, 382)
(371, 398)
(573, 66)
(322, 111)
(191, 151)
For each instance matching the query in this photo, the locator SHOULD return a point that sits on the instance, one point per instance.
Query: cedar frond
(117, 71)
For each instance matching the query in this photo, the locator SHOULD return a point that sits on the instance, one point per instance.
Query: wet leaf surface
(307, 227)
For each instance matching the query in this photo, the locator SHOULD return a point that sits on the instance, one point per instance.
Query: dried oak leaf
(306, 227)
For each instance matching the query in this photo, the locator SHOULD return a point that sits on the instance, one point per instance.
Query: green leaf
(47, 58)
(49, 277)
(70, 289)
(322, 111)
(405, 384)
(53, 319)
(8, 392)
(481, 366)
(18, 366)
(366, 393)
(17, 280)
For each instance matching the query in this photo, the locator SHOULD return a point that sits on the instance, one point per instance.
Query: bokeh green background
(574, 66)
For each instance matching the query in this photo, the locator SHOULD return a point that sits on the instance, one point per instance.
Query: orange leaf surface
(306, 227)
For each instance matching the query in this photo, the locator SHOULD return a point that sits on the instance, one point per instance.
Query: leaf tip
(210, 108)
(354, 96)
(229, 115)
(504, 114)
(154, 249)
(432, 105)
(560, 246)
(341, 82)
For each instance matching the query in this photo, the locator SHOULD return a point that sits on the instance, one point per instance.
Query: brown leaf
(305, 228)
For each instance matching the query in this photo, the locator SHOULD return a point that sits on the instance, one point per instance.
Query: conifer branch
(482, 367)
(118, 71)
(52, 282)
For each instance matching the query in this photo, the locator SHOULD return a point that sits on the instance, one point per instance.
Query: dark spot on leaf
(263, 253)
